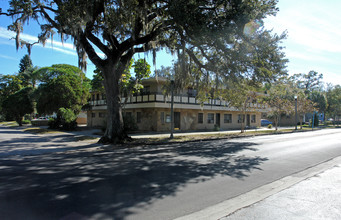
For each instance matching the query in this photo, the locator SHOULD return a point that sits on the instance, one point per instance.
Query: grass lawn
(205, 137)
(37, 130)
(165, 140)
(9, 123)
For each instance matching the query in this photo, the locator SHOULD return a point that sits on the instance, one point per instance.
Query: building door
(248, 120)
(217, 119)
(177, 120)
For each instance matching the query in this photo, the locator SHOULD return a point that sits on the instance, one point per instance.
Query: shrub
(216, 127)
(66, 120)
(70, 126)
(67, 115)
(54, 123)
(269, 126)
(26, 122)
(2, 118)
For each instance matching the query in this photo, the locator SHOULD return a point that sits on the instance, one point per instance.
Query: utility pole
(296, 112)
(172, 109)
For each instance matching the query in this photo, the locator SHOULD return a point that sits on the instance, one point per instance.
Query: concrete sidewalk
(318, 197)
(95, 132)
(178, 134)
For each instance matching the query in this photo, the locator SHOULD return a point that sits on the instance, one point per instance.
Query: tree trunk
(301, 123)
(301, 120)
(277, 121)
(242, 130)
(243, 117)
(242, 127)
(115, 132)
(19, 120)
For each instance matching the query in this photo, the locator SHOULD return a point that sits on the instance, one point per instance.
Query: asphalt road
(148, 182)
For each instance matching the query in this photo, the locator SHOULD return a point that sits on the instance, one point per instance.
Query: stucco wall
(151, 119)
(96, 121)
(189, 120)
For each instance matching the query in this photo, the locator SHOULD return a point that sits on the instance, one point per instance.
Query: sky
(313, 41)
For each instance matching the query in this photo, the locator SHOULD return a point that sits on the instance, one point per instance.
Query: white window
(227, 118)
(168, 118)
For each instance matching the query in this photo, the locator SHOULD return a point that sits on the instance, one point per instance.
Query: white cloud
(73, 53)
(309, 30)
(333, 78)
(6, 42)
(4, 33)
(7, 57)
(314, 33)
(308, 55)
(66, 48)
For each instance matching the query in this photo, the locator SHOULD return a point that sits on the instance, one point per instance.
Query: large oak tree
(209, 32)
(62, 86)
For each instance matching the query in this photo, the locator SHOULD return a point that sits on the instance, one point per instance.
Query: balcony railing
(178, 99)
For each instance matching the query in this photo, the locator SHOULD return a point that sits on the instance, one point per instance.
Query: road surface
(150, 182)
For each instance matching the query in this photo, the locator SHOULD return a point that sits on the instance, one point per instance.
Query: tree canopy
(18, 104)
(222, 37)
(309, 82)
(27, 72)
(25, 63)
(279, 97)
(241, 95)
(62, 86)
(334, 100)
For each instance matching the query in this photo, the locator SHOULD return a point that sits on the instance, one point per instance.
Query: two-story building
(152, 110)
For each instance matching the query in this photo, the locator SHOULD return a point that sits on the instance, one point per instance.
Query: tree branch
(93, 56)
(52, 22)
(196, 60)
(156, 30)
(125, 59)
(49, 8)
(111, 39)
(143, 49)
(96, 41)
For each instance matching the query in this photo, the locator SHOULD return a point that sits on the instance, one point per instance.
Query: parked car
(41, 118)
(264, 122)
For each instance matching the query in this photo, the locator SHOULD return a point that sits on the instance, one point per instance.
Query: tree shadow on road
(109, 183)
(19, 143)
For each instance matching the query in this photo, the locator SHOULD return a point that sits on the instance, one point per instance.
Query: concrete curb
(230, 206)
